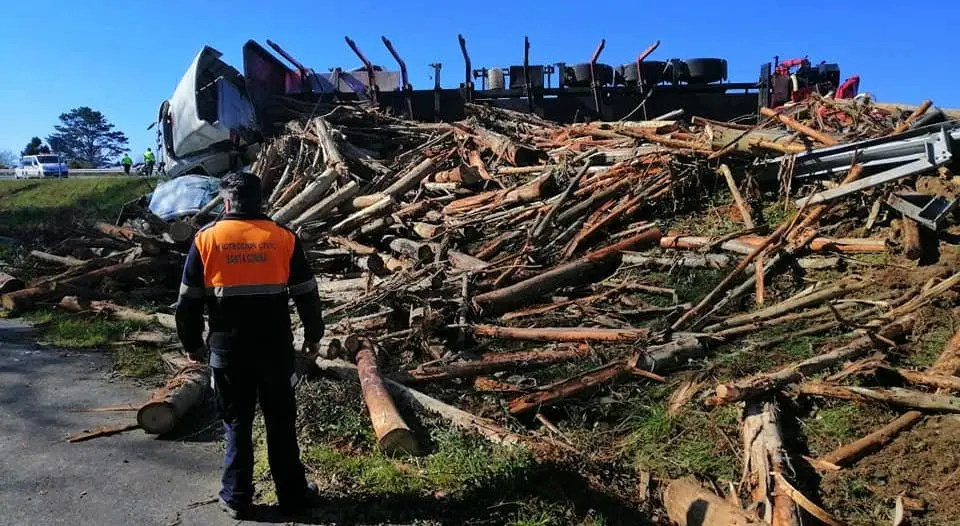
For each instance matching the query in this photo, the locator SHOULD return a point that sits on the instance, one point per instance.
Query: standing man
(149, 160)
(126, 162)
(243, 268)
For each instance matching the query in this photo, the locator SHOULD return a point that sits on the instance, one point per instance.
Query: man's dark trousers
(238, 386)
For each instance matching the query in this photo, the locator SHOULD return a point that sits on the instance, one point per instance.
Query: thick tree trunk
(763, 455)
(171, 402)
(393, 434)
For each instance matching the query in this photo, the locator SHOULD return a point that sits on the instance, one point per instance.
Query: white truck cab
(42, 165)
(207, 121)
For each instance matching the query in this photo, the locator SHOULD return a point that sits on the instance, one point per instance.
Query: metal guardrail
(77, 171)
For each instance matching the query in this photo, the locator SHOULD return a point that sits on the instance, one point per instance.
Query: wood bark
(680, 260)
(561, 334)
(66, 261)
(689, 504)
(378, 209)
(412, 249)
(858, 449)
(171, 402)
(411, 179)
(502, 146)
(9, 283)
(764, 454)
(765, 382)
(461, 261)
(742, 205)
(393, 434)
(895, 396)
(491, 363)
(588, 268)
(309, 196)
(455, 416)
(948, 363)
(327, 204)
(799, 127)
(911, 238)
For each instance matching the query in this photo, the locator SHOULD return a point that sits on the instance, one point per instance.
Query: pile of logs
(436, 244)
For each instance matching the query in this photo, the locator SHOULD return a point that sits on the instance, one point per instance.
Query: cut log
(412, 249)
(911, 238)
(938, 381)
(502, 146)
(327, 204)
(765, 382)
(66, 261)
(742, 205)
(411, 179)
(561, 334)
(895, 396)
(351, 245)
(588, 268)
(688, 504)
(171, 402)
(378, 209)
(800, 128)
(309, 196)
(461, 261)
(764, 454)
(393, 434)
(680, 260)
(491, 363)
(9, 283)
(858, 449)
(151, 246)
(457, 417)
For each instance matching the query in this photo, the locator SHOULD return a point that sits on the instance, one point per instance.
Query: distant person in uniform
(126, 162)
(149, 160)
(243, 269)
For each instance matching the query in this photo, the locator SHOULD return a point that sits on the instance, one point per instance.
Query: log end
(399, 441)
(157, 418)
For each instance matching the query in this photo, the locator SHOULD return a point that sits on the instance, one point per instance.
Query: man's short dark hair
(243, 189)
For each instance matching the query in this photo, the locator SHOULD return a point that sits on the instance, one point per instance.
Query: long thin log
(836, 290)
(101, 431)
(378, 209)
(858, 449)
(688, 504)
(765, 382)
(393, 434)
(171, 402)
(561, 334)
(411, 179)
(916, 114)
(764, 455)
(332, 156)
(800, 128)
(66, 261)
(456, 417)
(313, 192)
(801, 500)
(546, 222)
(327, 204)
(491, 363)
(742, 205)
(895, 396)
(681, 260)
(939, 381)
(588, 268)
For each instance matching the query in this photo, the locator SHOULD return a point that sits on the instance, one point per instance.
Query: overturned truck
(217, 117)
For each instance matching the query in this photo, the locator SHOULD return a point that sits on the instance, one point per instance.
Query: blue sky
(124, 58)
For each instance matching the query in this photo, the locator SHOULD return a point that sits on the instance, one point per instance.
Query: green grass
(835, 424)
(33, 210)
(693, 441)
(931, 345)
(79, 331)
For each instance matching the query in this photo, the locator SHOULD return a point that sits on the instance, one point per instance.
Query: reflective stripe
(246, 290)
(188, 291)
(303, 288)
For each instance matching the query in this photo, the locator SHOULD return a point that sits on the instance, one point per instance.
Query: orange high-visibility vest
(245, 257)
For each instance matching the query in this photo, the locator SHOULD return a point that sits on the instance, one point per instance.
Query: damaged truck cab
(208, 126)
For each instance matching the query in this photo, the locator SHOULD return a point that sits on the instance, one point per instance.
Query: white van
(208, 120)
(42, 165)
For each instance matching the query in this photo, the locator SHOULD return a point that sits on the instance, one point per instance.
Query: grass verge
(46, 209)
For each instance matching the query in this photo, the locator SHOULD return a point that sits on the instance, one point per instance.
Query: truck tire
(652, 72)
(579, 74)
(627, 75)
(706, 70)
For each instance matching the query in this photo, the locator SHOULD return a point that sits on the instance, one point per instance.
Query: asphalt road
(131, 478)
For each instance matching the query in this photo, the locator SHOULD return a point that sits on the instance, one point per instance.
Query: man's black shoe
(235, 512)
(309, 501)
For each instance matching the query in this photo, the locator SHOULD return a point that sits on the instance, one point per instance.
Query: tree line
(84, 137)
